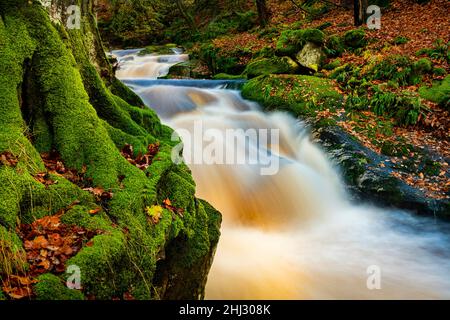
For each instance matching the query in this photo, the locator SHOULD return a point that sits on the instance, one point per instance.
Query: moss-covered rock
(355, 39)
(50, 287)
(439, 93)
(275, 65)
(155, 49)
(194, 68)
(300, 95)
(292, 41)
(334, 46)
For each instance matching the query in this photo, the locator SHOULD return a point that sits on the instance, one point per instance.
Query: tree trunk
(57, 96)
(263, 12)
(360, 7)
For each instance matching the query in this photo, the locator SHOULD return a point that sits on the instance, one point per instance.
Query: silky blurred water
(292, 235)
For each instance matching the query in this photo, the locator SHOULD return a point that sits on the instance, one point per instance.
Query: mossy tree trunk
(58, 93)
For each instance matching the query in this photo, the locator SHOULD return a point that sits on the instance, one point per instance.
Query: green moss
(215, 220)
(12, 255)
(79, 216)
(396, 149)
(121, 139)
(423, 65)
(156, 50)
(355, 102)
(11, 194)
(300, 95)
(431, 168)
(332, 65)
(16, 47)
(355, 39)
(334, 46)
(218, 61)
(400, 69)
(400, 40)
(99, 265)
(438, 93)
(50, 287)
(266, 52)
(145, 117)
(292, 41)
(121, 90)
(225, 76)
(439, 72)
(275, 65)
(43, 201)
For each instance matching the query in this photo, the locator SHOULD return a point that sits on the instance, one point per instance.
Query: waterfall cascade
(293, 234)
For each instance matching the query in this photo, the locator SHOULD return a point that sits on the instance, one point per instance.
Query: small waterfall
(132, 66)
(293, 234)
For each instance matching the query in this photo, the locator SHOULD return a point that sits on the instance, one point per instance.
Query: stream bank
(72, 140)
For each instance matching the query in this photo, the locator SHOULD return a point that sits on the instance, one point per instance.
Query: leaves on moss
(167, 204)
(48, 244)
(8, 159)
(54, 165)
(141, 161)
(100, 194)
(154, 213)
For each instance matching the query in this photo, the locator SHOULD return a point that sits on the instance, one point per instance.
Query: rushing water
(292, 235)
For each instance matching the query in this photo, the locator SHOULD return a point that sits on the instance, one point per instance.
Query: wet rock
(369, 183)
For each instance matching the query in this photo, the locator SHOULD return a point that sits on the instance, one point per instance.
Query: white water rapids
(292, 235)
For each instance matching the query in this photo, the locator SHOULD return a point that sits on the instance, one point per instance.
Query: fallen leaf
(95, 211)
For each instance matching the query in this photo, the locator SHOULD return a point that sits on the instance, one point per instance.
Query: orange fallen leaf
(95, 211)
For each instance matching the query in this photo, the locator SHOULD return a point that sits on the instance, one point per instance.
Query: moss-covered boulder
(161, 50)
(311, 57)
(275, 65)
(334, 46)
(355, 39)
(438, 93)
(194, 68)
(292, 41)
(55, 98)
(298, 94)
(51, 287)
